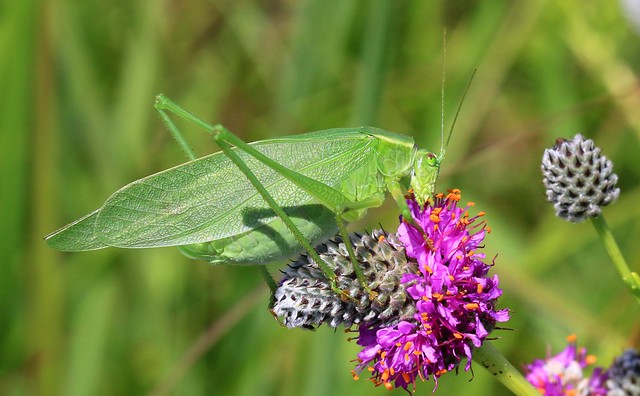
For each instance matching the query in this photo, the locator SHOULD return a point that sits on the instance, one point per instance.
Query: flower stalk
(494, 362)
(631, 279)
(579, 181)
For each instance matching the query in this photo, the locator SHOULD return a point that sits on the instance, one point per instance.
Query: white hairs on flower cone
(578, 178)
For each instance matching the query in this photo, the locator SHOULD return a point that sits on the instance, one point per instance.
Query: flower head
(304, 297)
(453, 296)
(563, 374)
(624, 374)
(579, 180)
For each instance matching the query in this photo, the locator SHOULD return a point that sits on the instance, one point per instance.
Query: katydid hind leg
(277, 209)
(353, 259)
(175, 132)
(323, 193)
(337, 202)
(221, 136)
(331, 198)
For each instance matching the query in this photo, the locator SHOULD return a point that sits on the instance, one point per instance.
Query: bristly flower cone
(624, 375)
(304, 297)
(578, 178)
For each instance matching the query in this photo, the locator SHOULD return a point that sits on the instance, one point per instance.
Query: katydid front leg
(396, 192)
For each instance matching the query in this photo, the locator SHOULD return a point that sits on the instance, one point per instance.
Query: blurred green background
(77, 84)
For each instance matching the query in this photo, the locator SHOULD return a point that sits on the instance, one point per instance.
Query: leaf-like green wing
(209, 198)
(77, 236)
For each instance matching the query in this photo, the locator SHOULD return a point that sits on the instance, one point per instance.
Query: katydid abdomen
(270, 242)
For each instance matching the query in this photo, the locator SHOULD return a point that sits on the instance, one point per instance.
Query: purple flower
(563, 374)
(454, 298)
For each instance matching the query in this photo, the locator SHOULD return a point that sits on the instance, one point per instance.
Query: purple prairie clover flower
(563, 374)
(455, 299)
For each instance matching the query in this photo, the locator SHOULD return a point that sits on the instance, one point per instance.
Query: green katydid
(259, 202)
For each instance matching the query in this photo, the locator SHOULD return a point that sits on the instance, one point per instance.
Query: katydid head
(426, 165)
(426, 168)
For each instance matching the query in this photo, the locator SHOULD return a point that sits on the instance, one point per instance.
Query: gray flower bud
(579, 180)
(304, 297)
(624, 375)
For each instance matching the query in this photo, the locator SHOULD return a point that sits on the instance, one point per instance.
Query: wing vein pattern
(209, 198)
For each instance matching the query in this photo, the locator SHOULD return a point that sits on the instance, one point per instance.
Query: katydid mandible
(254, 203)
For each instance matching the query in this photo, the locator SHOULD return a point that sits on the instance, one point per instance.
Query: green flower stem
(631, 279)
(491, 359)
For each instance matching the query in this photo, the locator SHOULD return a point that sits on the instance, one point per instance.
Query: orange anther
(454, 195)
(429, 242)
(435, 215)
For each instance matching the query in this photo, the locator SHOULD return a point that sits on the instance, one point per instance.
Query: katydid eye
(432, 160)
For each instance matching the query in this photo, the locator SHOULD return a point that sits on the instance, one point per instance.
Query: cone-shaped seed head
(624, 375)
(304, 297)
(579, 180)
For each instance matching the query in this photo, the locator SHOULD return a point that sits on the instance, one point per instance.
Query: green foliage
(78, 80)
